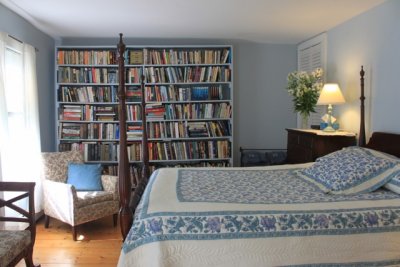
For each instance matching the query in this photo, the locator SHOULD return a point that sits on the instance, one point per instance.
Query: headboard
(385, 142)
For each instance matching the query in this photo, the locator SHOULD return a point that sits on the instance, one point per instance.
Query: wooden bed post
(137, 195)
(145, 146)
(125, 187)
(361, 139)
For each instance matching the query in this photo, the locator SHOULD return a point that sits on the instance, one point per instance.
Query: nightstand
(306, 145)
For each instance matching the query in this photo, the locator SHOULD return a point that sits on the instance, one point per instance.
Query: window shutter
(311, 54)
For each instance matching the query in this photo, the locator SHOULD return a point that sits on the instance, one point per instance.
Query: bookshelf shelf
(188, 89)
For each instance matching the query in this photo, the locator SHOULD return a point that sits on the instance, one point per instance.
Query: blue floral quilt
(268, 207)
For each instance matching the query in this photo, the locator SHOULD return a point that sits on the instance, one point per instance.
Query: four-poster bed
(265, 216)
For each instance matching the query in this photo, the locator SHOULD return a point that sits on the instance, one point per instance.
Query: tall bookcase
(188, 96)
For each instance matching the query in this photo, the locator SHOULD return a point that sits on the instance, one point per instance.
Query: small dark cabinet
(308, 145)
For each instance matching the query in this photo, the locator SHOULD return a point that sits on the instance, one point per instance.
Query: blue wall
(19, 28)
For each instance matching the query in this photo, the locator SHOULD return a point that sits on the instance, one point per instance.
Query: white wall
(371, 39)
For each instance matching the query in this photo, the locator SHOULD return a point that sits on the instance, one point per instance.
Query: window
(311, 54)
(19, 115)
(15, 102)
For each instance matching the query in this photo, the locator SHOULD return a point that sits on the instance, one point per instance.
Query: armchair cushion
(93, 197)
(85, 177)
(12, 243)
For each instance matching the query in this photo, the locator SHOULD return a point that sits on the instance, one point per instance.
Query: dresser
(306, 145)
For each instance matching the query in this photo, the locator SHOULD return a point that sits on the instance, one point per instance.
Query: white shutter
(311, 54)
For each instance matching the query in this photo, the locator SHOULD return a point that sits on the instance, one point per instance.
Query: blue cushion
(85, 177)
(351, 170)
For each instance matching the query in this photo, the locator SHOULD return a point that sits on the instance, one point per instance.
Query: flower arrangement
(305, 88)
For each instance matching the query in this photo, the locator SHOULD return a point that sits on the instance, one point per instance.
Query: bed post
(361, 139)
(125, 188)
(137, 195)
(145, 147)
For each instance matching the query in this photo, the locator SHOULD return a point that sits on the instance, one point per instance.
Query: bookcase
(188, 96)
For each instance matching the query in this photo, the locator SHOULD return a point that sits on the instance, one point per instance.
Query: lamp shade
(330, 94)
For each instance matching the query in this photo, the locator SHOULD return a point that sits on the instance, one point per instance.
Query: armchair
(63, 202)
(16, 245)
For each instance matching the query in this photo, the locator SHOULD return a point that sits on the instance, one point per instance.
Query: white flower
(305, 89)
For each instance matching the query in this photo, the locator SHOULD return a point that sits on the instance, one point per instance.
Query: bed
(343, 209)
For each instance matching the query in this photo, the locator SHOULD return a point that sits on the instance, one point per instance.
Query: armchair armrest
(59, 200)
(110, 184)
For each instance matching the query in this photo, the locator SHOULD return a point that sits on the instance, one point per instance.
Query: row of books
(109, 151)
(155, 111)
(192, 56)
(151, 56)
(176, 93)
(134, 131)
(198, 111)
(189, 129)
(87, 57)
(189, 150)
(187, 74)
(87, 75)
(159, 111)
(88, 94)
(97, 113)
(101, 131)
(88, 113)
(133, 94)
(133, 113)
(134, 75)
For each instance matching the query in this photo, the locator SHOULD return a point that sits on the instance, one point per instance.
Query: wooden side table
(306, 145)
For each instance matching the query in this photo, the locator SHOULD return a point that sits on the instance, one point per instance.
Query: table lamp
(330, 95)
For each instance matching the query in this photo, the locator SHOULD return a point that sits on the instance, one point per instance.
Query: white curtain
(3, 110)
(3, 107)
(20, 150)
(32, 123)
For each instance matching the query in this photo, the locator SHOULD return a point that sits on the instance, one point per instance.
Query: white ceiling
(265, 21)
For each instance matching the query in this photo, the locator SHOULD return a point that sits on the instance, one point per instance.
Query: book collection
(88, 94)
(215, 149)
(192, 111)
(134, 131)
(133, 75)
(86, 57)
(187, 74)
(133, 94)
(84, 131)
(188, 94)
(87, 75)
(133, 113)
(192, 56)
(164, 93)
(88, 113)
(108, 151)
(194, 129)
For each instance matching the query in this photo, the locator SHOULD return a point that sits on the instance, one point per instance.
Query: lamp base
(328, 129)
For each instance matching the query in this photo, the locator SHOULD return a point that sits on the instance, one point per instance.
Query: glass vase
(304, 121)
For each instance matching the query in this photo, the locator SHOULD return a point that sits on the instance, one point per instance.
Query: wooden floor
(100, 245)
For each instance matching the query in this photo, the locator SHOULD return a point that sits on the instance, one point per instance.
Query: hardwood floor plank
(100, 245)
